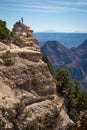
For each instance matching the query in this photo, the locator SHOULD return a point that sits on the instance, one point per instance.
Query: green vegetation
(8, 58)
(16, 117)
(46, 60)
(75, 100)
(4, 32)
(63, 80)
(45, 122)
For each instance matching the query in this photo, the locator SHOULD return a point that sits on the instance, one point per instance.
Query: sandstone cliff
(28, 99)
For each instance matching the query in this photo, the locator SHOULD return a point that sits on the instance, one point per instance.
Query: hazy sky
(46, 15)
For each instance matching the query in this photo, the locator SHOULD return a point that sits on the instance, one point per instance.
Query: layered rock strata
(28, 98)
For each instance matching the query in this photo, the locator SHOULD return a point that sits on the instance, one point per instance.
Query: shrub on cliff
(46, 122)
(17, 119)
(8, 58)
(51, 69)
(63, 78)
(4, 31)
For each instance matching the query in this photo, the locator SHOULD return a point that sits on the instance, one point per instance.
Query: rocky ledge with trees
(30, 97)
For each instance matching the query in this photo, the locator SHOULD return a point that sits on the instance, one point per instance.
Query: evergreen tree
(4, 31)
(75, 100)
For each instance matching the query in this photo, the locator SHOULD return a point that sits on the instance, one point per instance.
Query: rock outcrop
(23, 36)
(82, 123)
(28, 98)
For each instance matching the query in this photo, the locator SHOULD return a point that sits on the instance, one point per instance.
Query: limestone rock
(3, 47)
(21, 29)
(23, 36)
(27, 90)
(82, 124)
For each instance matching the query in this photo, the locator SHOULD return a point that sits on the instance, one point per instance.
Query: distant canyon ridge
(69, 40)
(74, 60)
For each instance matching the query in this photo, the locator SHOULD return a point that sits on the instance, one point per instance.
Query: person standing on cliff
(22, 19)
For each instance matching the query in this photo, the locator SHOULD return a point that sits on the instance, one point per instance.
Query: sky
(46, 15)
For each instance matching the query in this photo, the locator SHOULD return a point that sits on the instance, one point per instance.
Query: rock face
(56, 52)
(23, 36)
(82, 124)
(28, 99)
(74, 60)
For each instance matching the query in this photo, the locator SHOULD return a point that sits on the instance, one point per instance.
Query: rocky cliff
(28, 99)
(74, 60)
(82, 123)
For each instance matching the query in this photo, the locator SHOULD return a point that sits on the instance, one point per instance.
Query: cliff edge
(28, 99)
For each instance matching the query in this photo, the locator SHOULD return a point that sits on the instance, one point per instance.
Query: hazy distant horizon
(59, 32)
(69, 40)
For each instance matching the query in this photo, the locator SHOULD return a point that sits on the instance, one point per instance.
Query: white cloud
(47, 6)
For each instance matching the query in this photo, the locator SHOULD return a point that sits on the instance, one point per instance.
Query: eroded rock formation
(28, 98)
